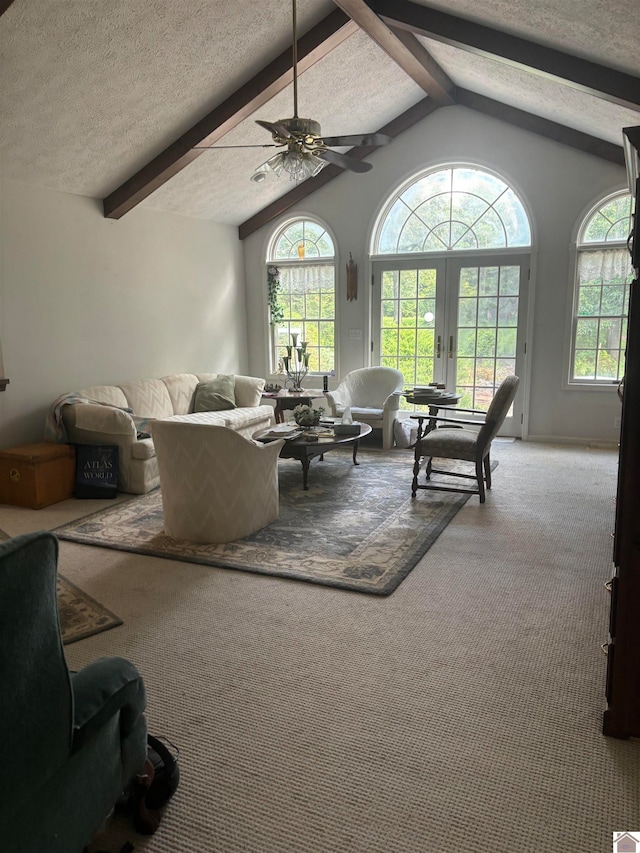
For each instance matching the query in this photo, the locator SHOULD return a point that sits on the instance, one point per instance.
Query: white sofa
(104, 421)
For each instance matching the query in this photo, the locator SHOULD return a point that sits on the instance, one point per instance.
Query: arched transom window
(302, 255)
(302, 239)
(457, 208)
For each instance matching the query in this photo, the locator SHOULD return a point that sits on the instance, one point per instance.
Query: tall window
(304, 256)
(450, 278)
(601, 298)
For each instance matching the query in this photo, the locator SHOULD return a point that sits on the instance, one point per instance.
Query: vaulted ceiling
(111, 100)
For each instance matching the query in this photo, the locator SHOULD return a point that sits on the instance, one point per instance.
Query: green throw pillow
(215, 395)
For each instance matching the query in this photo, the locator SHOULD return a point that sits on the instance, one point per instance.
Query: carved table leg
(355, 452)
(305, 472)
(416, 459)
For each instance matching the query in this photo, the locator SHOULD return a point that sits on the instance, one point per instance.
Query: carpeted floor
(462, 712)
(80, 615)
(356, 527)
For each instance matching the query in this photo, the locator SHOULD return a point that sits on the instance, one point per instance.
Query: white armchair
(373, 395)
(217, 486)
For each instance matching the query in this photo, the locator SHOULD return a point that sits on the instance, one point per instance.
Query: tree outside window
(601, 301)
(304, 255)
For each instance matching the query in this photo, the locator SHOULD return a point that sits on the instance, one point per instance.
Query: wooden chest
(37, 475)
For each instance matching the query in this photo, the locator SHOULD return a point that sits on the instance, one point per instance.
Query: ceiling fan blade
(373, 139)
(275, 128)
(219, 147)
(344, 162)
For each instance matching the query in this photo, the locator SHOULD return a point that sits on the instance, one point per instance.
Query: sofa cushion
(149, 398)
(216, 395)
(143, 449)
(181, 387)
(109, 394)
(233, 418)
(246, 416)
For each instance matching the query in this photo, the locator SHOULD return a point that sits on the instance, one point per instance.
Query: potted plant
(306, 416)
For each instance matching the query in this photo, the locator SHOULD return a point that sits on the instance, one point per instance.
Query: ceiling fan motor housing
(305, 127)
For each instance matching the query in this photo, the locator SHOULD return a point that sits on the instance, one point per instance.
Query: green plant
(276, 311)
(306, 416)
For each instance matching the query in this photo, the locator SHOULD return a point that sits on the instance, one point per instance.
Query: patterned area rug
(356, 527)
(80, 615)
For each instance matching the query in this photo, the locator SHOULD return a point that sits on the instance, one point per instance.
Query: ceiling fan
(305, 151)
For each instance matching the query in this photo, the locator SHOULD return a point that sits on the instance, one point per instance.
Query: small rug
(356, 528)
(80, 615)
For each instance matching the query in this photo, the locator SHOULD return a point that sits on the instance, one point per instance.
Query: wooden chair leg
(487, 470)
(480, 480)
(427, 470)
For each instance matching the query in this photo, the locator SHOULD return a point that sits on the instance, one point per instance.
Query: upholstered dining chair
(217, 486)
(373, 395)
(464, 439)
(71, 741)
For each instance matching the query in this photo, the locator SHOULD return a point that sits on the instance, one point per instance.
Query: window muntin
(601, 299)
(458, 208)
(302, 239)
(304, 254)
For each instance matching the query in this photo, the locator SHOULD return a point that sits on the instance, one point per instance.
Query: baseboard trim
(596, 443)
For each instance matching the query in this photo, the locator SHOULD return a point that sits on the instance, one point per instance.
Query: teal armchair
(71, 742)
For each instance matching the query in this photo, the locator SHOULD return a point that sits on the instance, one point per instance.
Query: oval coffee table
(304, 450)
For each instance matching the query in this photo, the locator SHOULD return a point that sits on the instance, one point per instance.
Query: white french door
(456, 320)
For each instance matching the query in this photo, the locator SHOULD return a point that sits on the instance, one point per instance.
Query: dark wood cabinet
(622, 715)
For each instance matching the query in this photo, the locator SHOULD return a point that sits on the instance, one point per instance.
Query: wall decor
(352, 279)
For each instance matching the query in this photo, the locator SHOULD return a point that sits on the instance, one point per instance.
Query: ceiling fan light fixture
(299, 165)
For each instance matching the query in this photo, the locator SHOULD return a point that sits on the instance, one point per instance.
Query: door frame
(377, 263)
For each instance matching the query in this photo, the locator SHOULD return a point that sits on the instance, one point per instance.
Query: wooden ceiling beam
(405, 49)
(275, 77)
(394, 128)
(487, 106)
(590, 77)
(543, 127)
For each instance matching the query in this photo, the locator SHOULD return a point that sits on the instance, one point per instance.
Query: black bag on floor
(164, 757)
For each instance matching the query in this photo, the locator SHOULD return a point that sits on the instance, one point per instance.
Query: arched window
(301, 274)
(601, 296)
(450, 283)
(457, 208)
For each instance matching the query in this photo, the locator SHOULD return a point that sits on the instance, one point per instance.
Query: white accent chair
(217, 486)
(373, 395)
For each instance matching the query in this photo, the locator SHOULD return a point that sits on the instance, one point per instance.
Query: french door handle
(438, 346)
(450, 346)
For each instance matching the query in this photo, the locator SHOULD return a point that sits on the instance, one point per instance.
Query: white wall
(556, 183)
(85, 300)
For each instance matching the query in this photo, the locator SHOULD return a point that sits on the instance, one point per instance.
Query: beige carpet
(462, 712)
(80, 615)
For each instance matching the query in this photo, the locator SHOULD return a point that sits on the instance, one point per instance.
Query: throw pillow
(215, 395)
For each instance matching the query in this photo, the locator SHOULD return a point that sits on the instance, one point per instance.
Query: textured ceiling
(604, 32)
(356, 88)
(92, 91)
(541, 96)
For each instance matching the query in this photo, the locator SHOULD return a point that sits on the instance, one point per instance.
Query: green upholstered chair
(470, 441)
(71, 742)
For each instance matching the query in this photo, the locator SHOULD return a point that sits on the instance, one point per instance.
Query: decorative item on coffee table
(307, 416)
(296, 362)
